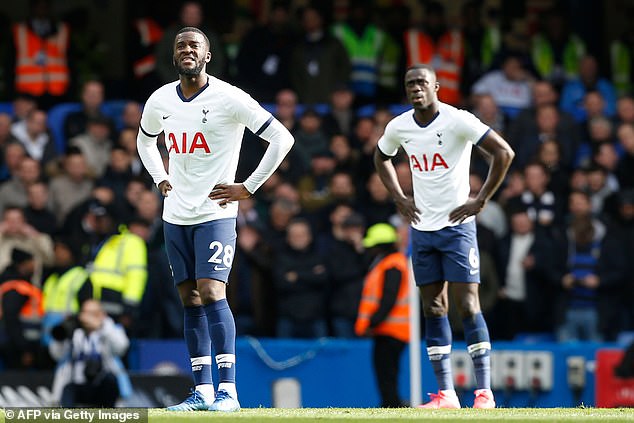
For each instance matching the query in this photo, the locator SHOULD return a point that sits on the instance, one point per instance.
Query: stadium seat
(56, 118)
(113, 109)
(6, 107)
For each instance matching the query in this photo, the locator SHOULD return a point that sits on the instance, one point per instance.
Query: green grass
(347, 415)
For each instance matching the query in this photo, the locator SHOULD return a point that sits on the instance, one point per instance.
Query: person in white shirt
(203, 119)
(437, 139)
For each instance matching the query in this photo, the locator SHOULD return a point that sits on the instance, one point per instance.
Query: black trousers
(101, 393)
(386, 357)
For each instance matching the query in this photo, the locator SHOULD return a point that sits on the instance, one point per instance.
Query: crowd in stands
(80, 217)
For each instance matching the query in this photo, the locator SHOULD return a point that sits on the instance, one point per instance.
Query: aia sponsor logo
(186, 145)
(425, 163)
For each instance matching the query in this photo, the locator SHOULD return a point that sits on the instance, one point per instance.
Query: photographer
(88, 348)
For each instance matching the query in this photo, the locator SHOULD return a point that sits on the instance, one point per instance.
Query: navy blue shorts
(201, 251)
(449, 254)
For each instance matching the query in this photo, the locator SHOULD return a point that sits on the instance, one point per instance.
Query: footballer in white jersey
(439, 153)
(438, 140)
(203, 120)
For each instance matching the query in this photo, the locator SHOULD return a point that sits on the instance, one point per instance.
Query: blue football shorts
(449, 254)
(204, 250)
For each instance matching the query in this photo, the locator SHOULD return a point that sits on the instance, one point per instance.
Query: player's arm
(387, 173)
(280, 142)
(499, 154)
(146, 143)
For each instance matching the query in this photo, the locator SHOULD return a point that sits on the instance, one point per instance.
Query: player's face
(421, 88)
(191, 53)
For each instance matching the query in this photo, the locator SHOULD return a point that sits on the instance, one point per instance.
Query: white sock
(449, 392)
(207, 391)
(230, 388)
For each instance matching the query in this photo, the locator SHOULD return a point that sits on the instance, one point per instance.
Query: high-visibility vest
(365, 53)
(544, 57)
(150, 33)
(60, 291)
(32, 311)
(621, 66)
(447, 58)
(41, 64)
(120, 266)
(396, 323)
(491, 44)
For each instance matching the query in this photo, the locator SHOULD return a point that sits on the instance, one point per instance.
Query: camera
(65, 329)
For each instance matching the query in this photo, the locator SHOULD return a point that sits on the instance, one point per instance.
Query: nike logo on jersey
(219, 268)
(165, 117)
(473, 271)
(407, 141)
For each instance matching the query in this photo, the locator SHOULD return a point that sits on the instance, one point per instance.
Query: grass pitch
(349, 415)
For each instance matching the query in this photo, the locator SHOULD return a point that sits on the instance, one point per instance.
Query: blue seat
(114, 109)
(56, 118)
(6, 107)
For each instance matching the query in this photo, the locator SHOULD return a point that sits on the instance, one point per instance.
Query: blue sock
(222, 329)
(198, 344)
(438, 337)
(479, 347)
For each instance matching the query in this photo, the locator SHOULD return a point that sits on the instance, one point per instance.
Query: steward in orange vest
(384, 309)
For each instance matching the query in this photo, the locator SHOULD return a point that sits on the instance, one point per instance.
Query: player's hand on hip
(470, 208)
(227, 193)
(165, 187)
(407, 209)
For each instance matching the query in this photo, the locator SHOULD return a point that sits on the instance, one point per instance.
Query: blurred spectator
(13, 155)
(118, 172)
(319, 62)
(118, 268)
(286, 108)
(625, 135)
(547, 119)
(492, 216)
(95, 144)
(549, 154)
(250, 291)
(365, 44)
(191, 14)
(300, 277)
(89, 350)
(127, 140)
(131, 115)
(281, 212)
(21, 313)
(264, 58)
(314, 188)
(377, 206)
(347, 266)
(482, 42)
(15, 233)
(509, 86)
(437, 45)
(72, 187)
(384, 309)
(41, 51)
(341, 116)
(37, 212)
(35, 136)
(92, 98)
(6, 138)
(149, 209)
(65, 288)
(541, 204)
(23, 104)
(14, 191)
(145, 32)
(346, 158)
(515, 186)
(127, 201)
(621, 56)
(309, 136)
(556, 50)
(488, 112)
(599, 188)
(573, 91)
(625, 109)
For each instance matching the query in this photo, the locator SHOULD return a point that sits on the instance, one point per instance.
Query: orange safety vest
(150, 33)
(33, 309)
(41, 64)
(446, 58)
(396, 324)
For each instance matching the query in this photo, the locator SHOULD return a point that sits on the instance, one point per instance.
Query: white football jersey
(203, 135)
(439, 155)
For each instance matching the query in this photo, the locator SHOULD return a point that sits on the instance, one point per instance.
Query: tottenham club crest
(205, 111)
(439, 135)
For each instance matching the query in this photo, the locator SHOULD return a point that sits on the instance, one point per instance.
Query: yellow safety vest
(60, 291)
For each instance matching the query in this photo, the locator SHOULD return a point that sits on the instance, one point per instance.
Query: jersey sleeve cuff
(147, 134)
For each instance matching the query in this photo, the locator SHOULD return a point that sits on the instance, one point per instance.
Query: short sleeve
(470, 127)
(389, 142)
(151, 124)
(248, 112)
